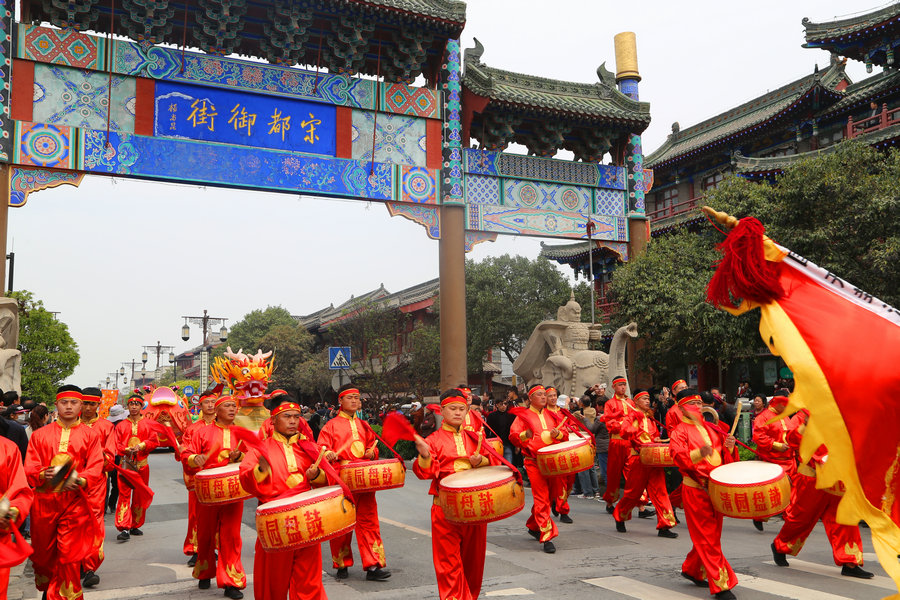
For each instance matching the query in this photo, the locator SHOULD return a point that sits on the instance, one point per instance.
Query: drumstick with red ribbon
(480, 439)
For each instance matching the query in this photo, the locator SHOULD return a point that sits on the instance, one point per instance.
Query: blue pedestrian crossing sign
(188, 390)
(339, 357)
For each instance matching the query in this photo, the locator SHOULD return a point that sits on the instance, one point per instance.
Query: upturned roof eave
(817, 34)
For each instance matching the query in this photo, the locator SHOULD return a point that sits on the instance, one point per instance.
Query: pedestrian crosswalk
(835, 572)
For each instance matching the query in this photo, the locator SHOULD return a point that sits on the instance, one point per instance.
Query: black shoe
(610, 508)
(620, 527)
(758, 525)
(726, 595)
(136, 531)
(555, 513)
(378, 574)
(779, 557)
(856, 571)
(44, 596)
(549, 548)
(694, 580)
(233, 592)
(342, 573)
(90, 579)
(565, 518)
(123, 536)
(203, 584)
(667, 533)
(192, 561)
(646, 513)
(534, 533)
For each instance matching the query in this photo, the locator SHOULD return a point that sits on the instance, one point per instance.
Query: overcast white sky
(123, 261)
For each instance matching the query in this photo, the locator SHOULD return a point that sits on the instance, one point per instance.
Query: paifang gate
(78, 99)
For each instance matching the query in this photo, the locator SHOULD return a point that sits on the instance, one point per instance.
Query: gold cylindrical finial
(626, 56)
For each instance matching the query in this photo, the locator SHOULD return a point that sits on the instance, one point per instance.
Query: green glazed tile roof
(865, 90)
(834, 30)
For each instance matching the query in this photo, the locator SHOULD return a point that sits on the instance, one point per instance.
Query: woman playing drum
(698, 448)
(288, 469)
(458, 549)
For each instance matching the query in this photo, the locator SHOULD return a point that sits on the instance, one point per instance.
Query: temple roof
(819, 33)
(568, 253)
(600, 100)
(747, 117)
(865, 91)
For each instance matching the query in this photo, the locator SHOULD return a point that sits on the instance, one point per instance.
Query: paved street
(592, 561)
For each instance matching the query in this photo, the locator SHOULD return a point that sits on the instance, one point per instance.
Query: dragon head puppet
(247, 376)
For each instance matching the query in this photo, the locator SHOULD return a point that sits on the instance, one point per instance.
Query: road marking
(636, 589)
(510, 592)
(419, 531)
(784, 590)
(835, 572)
(142, 591)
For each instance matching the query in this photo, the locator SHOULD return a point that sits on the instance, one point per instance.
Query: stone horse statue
(557, 353)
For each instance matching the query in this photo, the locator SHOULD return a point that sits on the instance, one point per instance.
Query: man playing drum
(561, 485)
(458, 549)
(209, 447)
(638, 429)
(285, 469)
(531, 431)
(348, 438)
(697, 448)
(615, 411)
(771, 439)
(470, 423)
(134, 439)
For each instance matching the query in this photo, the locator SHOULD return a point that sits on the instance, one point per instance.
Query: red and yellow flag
(107, 399)
(843, 346)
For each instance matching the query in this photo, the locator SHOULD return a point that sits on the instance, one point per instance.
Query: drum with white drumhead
(567, 457)
(481, 495)
(303, 519)
(750, 489)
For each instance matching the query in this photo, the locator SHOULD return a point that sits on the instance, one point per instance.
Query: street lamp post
(174, 366)
(205, 322)
(132, 363)
(159, 348)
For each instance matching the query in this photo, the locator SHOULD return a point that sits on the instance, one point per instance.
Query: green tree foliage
(249, 331)
(49, 354)
(506, 296)
(840, 210)
(664, 292)
(424, 360)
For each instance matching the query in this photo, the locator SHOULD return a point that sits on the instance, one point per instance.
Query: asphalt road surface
(592, 560)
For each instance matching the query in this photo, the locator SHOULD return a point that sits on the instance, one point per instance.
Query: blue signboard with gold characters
(212, 115)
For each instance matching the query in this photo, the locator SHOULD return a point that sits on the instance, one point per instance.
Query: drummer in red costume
(350, 439)
(810, 505)
(209, 447)
(134, 439)
(62, 524)
(771, 439)
(458, 549)
(615, 411)
(561, 485)
(294, 574)
(207, 416)
(638, 429)
(470, 423)
(90, 403)
(699, 447)
(531, 434)
(15, 488)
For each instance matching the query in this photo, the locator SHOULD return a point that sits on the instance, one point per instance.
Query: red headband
(464, 390)
(537, 388)
(675, 385)
(687, 399)
(88, 398)
(778, 401)
(69, 394)
(642, 395)
(222, 400)
(618, 379)
(348, 391)
(452, 399)
(285, 407)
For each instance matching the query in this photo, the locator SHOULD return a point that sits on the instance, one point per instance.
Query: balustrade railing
(880, 120)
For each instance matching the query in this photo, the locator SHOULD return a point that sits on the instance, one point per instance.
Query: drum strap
(578, 423)
(380, 439)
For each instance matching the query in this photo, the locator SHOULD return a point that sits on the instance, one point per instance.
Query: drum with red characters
(750, 489)
(480, 495)
(304, 519)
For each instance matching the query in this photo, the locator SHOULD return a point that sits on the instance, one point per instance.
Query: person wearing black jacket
(500, 421)
(14, 433)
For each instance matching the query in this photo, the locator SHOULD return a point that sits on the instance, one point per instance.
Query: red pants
(296, 575)
(368, 536)
(97, 497)
(559, 491)
(4, 582)
(540, 511)
(619, 450)
(58, 525)
(458, 553)
(808, 507)
(130, 513)
(224, 520)
(705, 561)
(190, 539)
(653, 479)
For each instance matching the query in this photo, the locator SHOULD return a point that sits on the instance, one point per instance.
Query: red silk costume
(471, 423)
(705, 561)
(62, 525)
(561, 486)
(771, 440)
(190, 539)
(614, 412)
(458, 549)
(216, 442)
(809, 505)
(15, 487)
(349, 437)
(131, 510)
(104, 429)
(294, 574)
(639, 429)
(539, 423)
